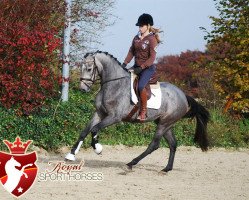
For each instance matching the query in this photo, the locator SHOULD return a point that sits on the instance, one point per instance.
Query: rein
(114, 80)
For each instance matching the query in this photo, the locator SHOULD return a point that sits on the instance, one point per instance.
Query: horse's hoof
(98, 148)
(129, 166)
(166, 169)
(70, 157)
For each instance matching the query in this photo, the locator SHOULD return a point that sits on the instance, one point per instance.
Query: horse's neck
(14, 177)
(9, 168)
(8, 165)
(110, 69)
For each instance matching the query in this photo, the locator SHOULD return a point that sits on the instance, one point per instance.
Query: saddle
(154, 101)
(153, 81)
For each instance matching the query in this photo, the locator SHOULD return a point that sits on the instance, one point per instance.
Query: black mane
(104, 52)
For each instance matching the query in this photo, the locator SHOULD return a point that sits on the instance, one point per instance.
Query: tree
(29, 51)
(229, 39)
(182, 69)
(30, 46)
(89, 19)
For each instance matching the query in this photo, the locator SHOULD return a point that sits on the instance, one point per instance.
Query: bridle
(93, 77)
(96, 71)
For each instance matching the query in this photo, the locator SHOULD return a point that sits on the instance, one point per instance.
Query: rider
(143, 48)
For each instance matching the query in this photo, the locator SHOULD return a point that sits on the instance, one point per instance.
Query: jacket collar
(139, 35)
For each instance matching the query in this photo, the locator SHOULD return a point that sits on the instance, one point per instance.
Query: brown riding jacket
(143, 50)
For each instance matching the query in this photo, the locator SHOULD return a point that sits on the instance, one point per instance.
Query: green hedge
(59, 124)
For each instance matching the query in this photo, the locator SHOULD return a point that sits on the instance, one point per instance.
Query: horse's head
(13, 162)
(88, 72)
(100, 64)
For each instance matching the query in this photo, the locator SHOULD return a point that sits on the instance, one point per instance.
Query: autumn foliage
(223, 70)
(185, 70)
(228, 43)
(29, 51)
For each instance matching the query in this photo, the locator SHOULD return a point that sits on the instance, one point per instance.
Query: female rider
(143, 48)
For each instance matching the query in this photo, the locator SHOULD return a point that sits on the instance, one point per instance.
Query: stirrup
(140, 118)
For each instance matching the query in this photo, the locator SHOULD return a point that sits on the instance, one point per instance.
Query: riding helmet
(145, 19)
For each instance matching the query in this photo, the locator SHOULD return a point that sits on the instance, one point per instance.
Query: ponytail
(156, 31)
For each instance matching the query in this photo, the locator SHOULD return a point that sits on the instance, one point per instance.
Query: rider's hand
(124, 65)
(138, 70)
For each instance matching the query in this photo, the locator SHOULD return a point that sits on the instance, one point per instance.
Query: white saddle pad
(156, 94)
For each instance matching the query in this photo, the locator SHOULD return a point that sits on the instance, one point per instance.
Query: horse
(14, 175)
(113, 104)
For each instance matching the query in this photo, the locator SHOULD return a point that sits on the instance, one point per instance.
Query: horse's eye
(89, 69)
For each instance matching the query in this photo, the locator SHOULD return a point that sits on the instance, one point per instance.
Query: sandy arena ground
(218, 174)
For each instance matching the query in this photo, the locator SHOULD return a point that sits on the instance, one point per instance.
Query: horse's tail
(202, 117)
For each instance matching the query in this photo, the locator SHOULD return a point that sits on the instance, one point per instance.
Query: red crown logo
(17, 147)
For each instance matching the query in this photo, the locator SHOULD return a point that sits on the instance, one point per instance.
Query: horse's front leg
(23, 173)
(109, 120)
(22, 170)
(76, 147)
(95, 143)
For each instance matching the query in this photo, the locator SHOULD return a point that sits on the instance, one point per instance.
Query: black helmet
(145, 19)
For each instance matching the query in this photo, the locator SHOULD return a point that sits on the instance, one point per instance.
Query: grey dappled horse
(113, 104)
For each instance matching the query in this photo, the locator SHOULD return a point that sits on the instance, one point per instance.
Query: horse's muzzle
(85, 87)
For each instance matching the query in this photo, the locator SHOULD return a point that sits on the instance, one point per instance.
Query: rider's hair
(156, 31)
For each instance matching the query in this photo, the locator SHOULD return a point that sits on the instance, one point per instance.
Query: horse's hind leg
(170, 138)
(152, 146)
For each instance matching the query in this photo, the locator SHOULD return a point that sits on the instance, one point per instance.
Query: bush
(59, 124)
(55, 125)
(29, 47)
(225, 131)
